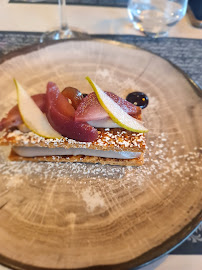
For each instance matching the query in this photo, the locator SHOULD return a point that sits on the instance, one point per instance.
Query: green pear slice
(115, 112)
(32, 116)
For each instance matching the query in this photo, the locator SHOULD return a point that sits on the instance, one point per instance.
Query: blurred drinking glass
(63, 31)
(155, 17)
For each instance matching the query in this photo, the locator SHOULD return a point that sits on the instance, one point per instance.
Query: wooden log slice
(74, 215)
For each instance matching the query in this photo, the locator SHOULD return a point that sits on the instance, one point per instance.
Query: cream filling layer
(103, 123)
(45, 151)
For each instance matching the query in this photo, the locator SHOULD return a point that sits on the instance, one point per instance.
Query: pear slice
(32, 116)
(116, 113)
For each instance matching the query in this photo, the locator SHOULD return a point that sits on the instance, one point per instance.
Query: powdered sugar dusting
(63, 173)
(92, 199)
(114, 139)
(168, 159)
(167, 163)
(163, 161)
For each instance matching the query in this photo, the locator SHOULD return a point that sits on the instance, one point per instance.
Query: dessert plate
(69, 216)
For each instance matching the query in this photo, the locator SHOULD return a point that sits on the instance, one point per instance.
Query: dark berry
(138, 99)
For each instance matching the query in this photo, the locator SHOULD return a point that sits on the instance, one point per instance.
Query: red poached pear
(90, 109)
(60, 114)
(13, 118)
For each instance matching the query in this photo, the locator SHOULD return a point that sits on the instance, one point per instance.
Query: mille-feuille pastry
(67, 127)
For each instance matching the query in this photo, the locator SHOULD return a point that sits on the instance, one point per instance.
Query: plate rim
(37, 46)
(156, 252)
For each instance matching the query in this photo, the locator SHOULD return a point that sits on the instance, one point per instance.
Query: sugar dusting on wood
(162, 160)
(92, 198)
(166, 160)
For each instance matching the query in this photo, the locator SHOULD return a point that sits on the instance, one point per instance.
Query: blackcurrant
(138, 98)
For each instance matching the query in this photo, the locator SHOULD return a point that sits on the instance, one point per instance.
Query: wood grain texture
(69, 216)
